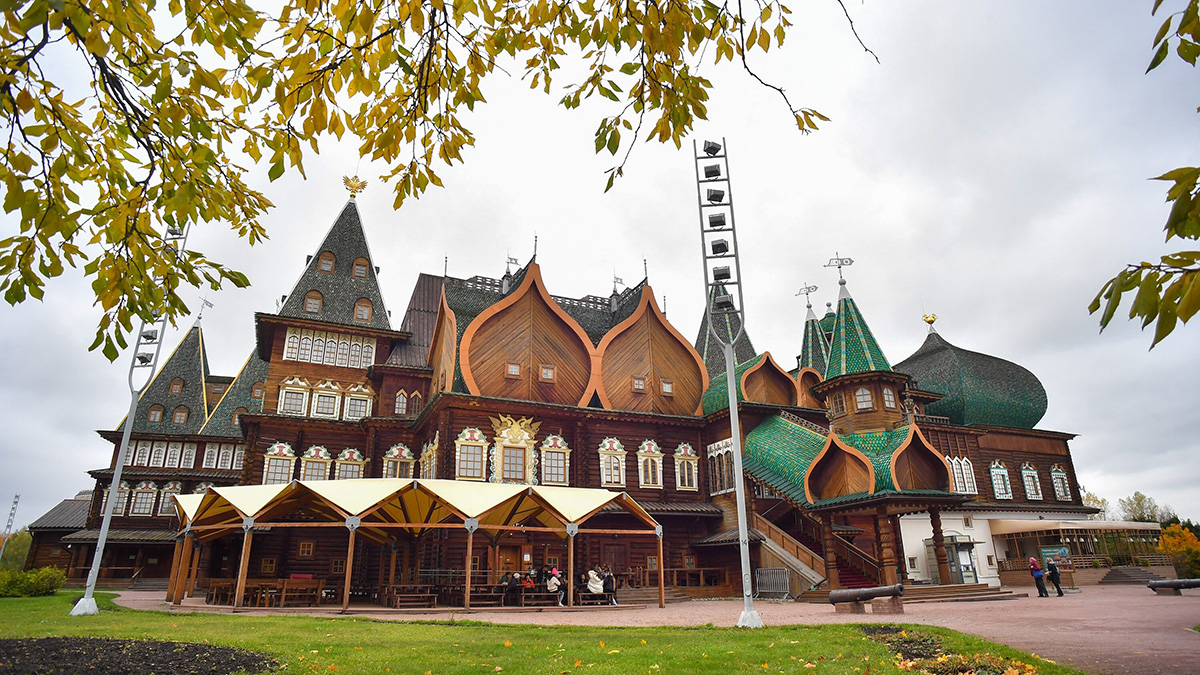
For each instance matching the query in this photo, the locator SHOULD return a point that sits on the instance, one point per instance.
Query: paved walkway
(1104, 631)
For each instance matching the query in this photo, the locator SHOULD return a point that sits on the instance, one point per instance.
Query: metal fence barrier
(773, 582)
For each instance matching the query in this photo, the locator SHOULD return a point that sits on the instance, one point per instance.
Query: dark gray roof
(128, 536)
(131, 473)
(420, 320)
(727, 537)
(240, 394)
(188, 363)
(69, 514)
(339, 289)
(711, 349)
(672, 508)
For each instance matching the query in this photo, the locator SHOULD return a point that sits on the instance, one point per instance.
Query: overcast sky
(992, 169)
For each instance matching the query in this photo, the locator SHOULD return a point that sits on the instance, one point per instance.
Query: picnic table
(537, 597)
(586, 598)
(410, 595)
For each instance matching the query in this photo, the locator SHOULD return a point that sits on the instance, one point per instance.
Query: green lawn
(308, 645)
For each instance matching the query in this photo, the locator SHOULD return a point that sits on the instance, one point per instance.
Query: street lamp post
(141, 370)
(715, 199)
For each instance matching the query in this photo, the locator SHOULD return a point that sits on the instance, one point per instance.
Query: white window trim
(1001, 483)
(684, 454)
(294, 385)
(396, 457)
(721, 453)
(1031, 479)
(471, 440)
(428, 462)
(348, 415)
(282, 452)
(650, 456)
(1062, 484)
(863, 399)
(174, 452)
(337, 404)
(188, 459)
(553, 444)
(611, 450)
(519, 434)
(889, 398)
(143, 489)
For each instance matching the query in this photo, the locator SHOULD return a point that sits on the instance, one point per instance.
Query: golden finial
(930, 318)
(354, 184)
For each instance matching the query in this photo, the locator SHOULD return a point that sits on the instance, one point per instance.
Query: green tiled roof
(717, 396)
(778, 453)
(847, 499)
(976, 388)
(853, 348)
(828, 321)
(240, 394)
(815, 352)
(339, 289)
(878, 446)
(188, 363)
(711, 349)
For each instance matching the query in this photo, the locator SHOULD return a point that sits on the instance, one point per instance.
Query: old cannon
(884, 599)
(1172, 586)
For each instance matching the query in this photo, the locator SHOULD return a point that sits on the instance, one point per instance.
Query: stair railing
(789, 544)
(855, 557)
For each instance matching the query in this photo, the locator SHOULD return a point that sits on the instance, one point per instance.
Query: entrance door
(966, 565)
(616, 556)
(508, 559)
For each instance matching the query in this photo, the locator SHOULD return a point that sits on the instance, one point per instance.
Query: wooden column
(392, 569)
(570, 570)
(186, 565)
(887, 549)
(898, 542)
(470, 543)
(349, 571)
(195, 571)
(939, 546)
(831, 573)
(244, 563)
(171, 580)
(662, 590)
(404, 569)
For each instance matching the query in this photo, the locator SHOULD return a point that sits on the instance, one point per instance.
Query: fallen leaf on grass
(614, 651)
(507, 643)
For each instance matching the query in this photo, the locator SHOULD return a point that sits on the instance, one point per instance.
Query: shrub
(42, 581)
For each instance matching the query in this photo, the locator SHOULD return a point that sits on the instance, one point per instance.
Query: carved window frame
(1031, 482)
(471, 455)
(650, 465)
(1001, 484)
(279, 462)
(686, 461)
(612, 462)
(555, 445)
(1062, 484)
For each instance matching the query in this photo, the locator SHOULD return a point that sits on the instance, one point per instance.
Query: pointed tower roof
(340, 289)
(727, 325)
(815, 352)
(189, 364)
(853, 348)
(239, 394)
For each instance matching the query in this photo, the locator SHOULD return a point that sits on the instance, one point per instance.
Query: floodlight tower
(718, 246)
(12, 515)
(141, 369)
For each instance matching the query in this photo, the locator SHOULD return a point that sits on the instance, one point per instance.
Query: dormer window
(837, 405)
(668, 388)
(181, 415)
(639, 384)
(546, 373)
(512, 369)
(362, 310)
(360, 268)
(155, 413)
(257, 391)
(889, 398)
(237, 415)
(862, 399)
(176, 385)
(312, 303)
(326, 262)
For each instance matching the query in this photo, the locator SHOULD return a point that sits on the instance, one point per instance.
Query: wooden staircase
(848, 576)
(649, 596)
(1129, 575)
(921, 594)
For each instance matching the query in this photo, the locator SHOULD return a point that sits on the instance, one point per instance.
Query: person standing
(1035, 570)
(1053, 575)
(610, 583)
(554, 585)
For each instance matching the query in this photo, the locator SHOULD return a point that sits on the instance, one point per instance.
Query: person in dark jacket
(610, 583)
(1035, 570)
(513, 590)
(1053, 575)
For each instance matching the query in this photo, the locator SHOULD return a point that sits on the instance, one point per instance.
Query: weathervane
(203, 304)
(354, 184)
(617, 280)
(807, 290)
(839, 262)
(930, 318)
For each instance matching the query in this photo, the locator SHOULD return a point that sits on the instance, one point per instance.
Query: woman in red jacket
(1035, 569)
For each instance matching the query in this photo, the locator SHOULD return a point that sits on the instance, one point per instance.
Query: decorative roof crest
(398, 451)
(685, 450)
(649, 447)
(554, 442)
(350, 455)
(281, 449)
(317, 452)
(611, 444)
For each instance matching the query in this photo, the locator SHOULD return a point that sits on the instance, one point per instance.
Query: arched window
(837, 404)
(414, 403)
(312, 302)
(362, 310)
(361, 266)
(612, 462)
(326, 262)
(1001, 487)
(180, 415)
(862, 398)
(293, 347)
(155, 413)
(889, 398)
(401, 404)
(176, 385)
(1062, 486)
(356, 356)
(318, 349)
(257, 391)
(237, 415)
(956, 469)
(1033, 484)
(330, 353)
(368, 357)
(649, 465)
(968, 476)
(343, 356)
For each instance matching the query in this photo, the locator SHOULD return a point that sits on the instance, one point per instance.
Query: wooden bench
(595, 598)
(486, 598)
(301, 592)
(399, 600)
(535, 598)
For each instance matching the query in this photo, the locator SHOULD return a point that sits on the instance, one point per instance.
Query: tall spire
(727, 324)
(815, 352)
(853, 348)
(178, 387)
(338, 276)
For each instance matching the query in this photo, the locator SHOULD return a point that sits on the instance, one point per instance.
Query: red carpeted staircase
(848, 577)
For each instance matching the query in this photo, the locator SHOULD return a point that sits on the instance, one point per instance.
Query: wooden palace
(496, 412)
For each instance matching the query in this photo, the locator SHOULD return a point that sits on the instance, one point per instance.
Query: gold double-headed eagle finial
(354, 184)
(930, 318)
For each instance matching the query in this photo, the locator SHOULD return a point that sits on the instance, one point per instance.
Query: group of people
(600, 579)
(511, 583)
(1039, 576)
